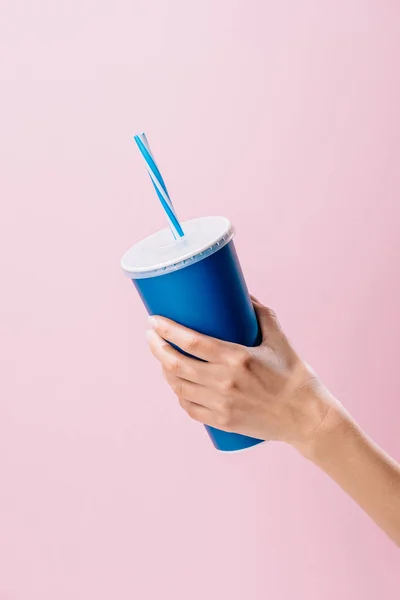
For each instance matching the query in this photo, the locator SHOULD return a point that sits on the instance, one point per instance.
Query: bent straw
(159, 185)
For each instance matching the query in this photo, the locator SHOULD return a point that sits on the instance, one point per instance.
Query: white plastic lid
(160, 253)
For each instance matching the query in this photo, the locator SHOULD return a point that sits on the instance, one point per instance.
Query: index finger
(196, 344)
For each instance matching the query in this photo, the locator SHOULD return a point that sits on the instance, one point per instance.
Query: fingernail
(153, 322)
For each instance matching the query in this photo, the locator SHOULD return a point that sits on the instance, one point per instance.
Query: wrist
(326, 421)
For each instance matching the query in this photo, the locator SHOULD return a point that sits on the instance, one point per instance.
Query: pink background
(281, 115)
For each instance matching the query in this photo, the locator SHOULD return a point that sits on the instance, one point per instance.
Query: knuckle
(225, 418)
(227, 386)
(164, 345)
(271, 314)
(173, 365)
(246, 360)
(177, 387)
(183, 403)
(191, 410)
(242, 360)
(227, 406)
(163, 328)
(192, 343)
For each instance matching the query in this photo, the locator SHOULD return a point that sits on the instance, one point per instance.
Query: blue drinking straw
(159, 185)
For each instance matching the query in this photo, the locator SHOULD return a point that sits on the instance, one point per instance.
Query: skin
(269, 392)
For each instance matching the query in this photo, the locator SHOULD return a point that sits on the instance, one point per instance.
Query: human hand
(266, 392)
(270, 393)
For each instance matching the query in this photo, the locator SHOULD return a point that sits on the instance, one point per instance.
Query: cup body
(210, 296)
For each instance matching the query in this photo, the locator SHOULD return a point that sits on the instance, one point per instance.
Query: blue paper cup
(197, 281)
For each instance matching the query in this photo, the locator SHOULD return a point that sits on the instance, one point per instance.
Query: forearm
(345, 453)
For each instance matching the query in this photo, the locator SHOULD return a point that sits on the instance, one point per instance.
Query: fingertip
(154, 338)
(150, 335)
(154, 321)
(162, 325)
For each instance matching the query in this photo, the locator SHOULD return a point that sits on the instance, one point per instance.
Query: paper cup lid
(160, 253)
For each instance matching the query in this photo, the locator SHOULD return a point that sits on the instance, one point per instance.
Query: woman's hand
(266, 392)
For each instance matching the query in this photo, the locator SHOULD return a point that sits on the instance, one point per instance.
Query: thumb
(269, 324)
